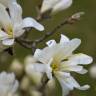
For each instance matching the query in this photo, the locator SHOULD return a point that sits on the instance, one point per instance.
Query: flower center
(10, 31)
(54, 67)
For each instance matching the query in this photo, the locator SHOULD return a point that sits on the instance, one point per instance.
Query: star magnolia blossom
(11, 23)
(55, 5)
(8, 84)
(58, 60)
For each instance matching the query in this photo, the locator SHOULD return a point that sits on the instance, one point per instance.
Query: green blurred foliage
(85, 29)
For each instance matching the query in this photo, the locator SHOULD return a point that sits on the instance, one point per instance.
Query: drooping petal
(75, 84)
(8, 42)
(65, 89)
(30, 22)
(81, 59)
(84, 87)
(63, 4)
(51, 43)
(65, 83)
(64, 39)
(70, 82)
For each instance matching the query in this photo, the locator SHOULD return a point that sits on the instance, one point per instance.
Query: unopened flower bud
(17, 68)
(77, 15)
(25, 83)
(35, 93)
(93, 71)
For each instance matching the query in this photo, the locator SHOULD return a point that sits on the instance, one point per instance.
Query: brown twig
(32, 44)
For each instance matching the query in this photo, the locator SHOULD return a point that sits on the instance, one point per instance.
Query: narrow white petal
(71, 68)
(64, 39)
(8, 42)
(65, 89)
(49, 69)
(73, 82)
(7, 2)
(66, 49)
(49, 73)
(63, 4)
(51, 43)
(65, 80)
(83, 71)
(15, 13)
(81, 59)
(37, 53)
(65, 74)
(5, 20)
(85, 87)
(30, 22)
(44, 55)
(74, 43)
(47, 5)
(76, 84)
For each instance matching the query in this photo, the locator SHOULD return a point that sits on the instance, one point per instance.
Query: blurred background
(85, 29)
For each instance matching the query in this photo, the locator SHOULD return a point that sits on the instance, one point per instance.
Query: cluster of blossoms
(56, 59)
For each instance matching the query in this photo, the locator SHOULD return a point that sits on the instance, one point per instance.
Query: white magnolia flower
(58, 59)
(11, 23)
(55, 5)
(8, 84)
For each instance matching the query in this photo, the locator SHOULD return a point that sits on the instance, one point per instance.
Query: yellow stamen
(55, 66)
(10, 31)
